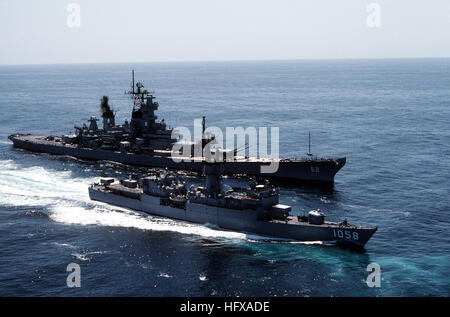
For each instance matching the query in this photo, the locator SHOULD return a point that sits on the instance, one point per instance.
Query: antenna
(203, 133)
(309, 144)
(132, 76)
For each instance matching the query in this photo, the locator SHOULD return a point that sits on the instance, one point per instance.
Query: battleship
(253, 209)
(145, 141)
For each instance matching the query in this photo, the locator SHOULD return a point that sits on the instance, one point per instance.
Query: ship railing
(307, 159)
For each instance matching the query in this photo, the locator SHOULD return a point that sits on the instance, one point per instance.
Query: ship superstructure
(143, 134)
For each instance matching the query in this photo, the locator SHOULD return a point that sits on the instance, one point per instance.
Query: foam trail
(107, 216)
(68, 201)
(37, 186)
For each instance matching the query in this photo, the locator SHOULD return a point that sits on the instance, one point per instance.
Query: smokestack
(203, 125)
(107, 113)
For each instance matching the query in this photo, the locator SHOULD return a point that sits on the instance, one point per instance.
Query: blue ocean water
(389, 117)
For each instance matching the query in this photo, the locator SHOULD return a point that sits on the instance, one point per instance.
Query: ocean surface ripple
(388, 117)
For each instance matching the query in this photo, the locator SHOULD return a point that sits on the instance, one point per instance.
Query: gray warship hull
(308, 170)
(241, 220)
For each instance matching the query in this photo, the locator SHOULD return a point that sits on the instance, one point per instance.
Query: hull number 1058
(349, 235)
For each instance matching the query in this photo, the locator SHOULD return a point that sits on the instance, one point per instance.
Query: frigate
(146, 141)
(253, 209)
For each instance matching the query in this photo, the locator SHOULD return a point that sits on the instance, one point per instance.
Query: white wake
(68, 201)
(66, 197)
